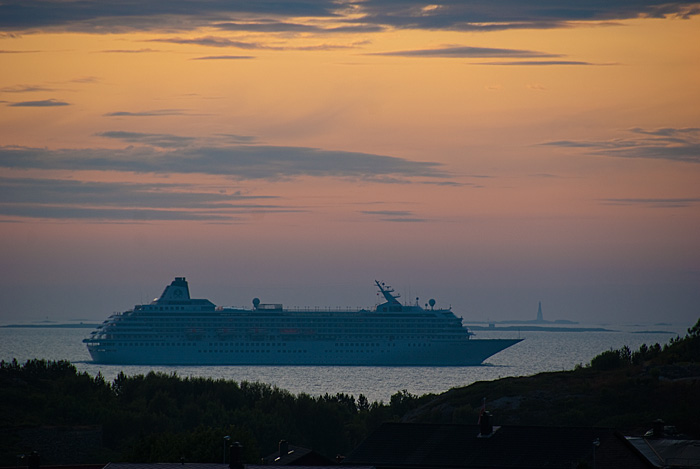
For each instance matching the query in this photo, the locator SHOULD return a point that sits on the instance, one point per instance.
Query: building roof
(292, 455)
(668, 452)
(400, 445)
(330, 466)
(165, 465)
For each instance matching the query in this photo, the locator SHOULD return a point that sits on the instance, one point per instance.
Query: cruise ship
(175, 329)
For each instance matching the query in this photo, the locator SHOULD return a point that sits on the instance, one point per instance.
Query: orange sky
(489, 157)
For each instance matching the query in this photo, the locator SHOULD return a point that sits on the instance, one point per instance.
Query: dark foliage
(163, 418)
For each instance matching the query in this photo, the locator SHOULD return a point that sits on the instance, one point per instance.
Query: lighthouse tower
(539, 313)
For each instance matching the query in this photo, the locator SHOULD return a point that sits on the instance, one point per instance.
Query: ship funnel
(177, 290)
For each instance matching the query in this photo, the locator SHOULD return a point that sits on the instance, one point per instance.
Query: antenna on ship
(388, 293)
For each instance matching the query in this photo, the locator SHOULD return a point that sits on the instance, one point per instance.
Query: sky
(490, 155)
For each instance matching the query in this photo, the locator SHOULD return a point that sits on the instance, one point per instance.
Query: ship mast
(387, 291)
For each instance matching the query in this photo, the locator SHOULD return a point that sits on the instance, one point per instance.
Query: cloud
(481, 15)
(540, 62)
(465, 52)
(25, 89)
(388, 213)
(213, 41)
(667, 131)
(42, 103)
(655, 203)
(85, 80)
(183, 155)
(217, 41)
(397, 216)
(153, 113)
(271, 16)
(5, 51)
(234, 138)
(98, 16)
(156, 140)
(273, 26)
(70, 199)
(224, 57)
(673, 144)
(129, 51)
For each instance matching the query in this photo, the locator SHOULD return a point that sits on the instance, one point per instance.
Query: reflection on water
(539, 352)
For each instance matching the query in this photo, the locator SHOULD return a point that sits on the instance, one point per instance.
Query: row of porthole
(250, 351)
(237, 344)
(361, 345)
(153, 344)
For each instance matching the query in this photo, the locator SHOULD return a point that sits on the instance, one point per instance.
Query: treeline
(678, 350)
(163, 418)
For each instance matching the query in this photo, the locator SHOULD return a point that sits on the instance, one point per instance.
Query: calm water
(539, 352)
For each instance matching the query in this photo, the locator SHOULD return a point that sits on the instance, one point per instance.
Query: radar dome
(256, 302)
(431, 302)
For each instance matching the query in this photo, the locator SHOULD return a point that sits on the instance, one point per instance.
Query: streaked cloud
(655, 203)
(163, 153)
(224, 57)
(475, 15)
(87, 79)
(674, 144)
(114, 201)
(465, 52)
(25, 89)
(212, 41)
(541, 62)
(129, 51)
(151, 194)
(234, 138)
(397, 216)
(151, 113)
(388, 213)
(266, 16)
(41, 103)
(5, 51)
(273, 26)
(667, 131)
(155, 140)
(218, 41)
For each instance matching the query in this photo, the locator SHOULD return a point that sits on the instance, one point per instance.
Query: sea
(539, 352)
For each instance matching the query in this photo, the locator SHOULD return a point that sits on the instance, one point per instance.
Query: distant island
(527, 327)
(80, 325)
(543, 325)
(539, 320)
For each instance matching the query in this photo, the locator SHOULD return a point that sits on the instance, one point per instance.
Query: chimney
(236, 453)
(33, 461)
(284, 448)
(485, 425)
